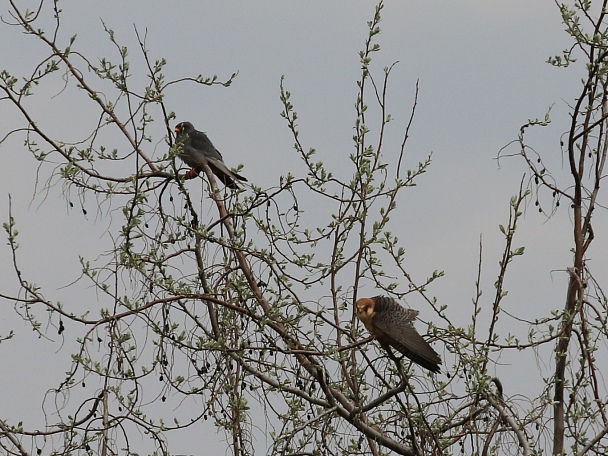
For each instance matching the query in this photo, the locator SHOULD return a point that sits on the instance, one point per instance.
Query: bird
(196, 149)
(393, 326)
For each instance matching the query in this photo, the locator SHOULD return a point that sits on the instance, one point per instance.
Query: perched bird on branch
(197, 150)
(393, 326)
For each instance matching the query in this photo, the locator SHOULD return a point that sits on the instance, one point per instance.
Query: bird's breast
(367, 321)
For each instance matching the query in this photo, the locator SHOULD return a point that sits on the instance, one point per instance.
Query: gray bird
(197, 149)
(393, 326)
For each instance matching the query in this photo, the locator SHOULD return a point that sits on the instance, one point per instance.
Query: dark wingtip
(423, 361)
(426, 363)
(432, 367)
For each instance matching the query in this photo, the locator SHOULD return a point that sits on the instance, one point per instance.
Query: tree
(218, 309)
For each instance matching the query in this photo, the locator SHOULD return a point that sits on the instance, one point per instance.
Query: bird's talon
(192, 173)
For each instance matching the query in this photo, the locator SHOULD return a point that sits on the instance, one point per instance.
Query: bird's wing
(227, 176)
(401, 334)
(200, 142)
(197, 150)
(191, 156)
(195, 156)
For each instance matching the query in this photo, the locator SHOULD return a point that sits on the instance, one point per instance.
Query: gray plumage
(197, 150)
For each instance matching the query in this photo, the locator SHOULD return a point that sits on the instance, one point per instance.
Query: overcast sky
(482, 72)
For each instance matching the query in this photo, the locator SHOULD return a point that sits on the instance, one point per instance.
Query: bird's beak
(178, 129)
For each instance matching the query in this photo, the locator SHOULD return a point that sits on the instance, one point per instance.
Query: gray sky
(482, 74)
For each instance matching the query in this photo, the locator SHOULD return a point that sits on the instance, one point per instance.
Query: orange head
(365, 307)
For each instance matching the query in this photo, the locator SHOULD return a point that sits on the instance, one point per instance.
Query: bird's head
(184, 128)
(365, 308)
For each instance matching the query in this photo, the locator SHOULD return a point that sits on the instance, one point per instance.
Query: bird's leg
(192, 173)
(390, 353)
(401, 372)
(397, 362)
